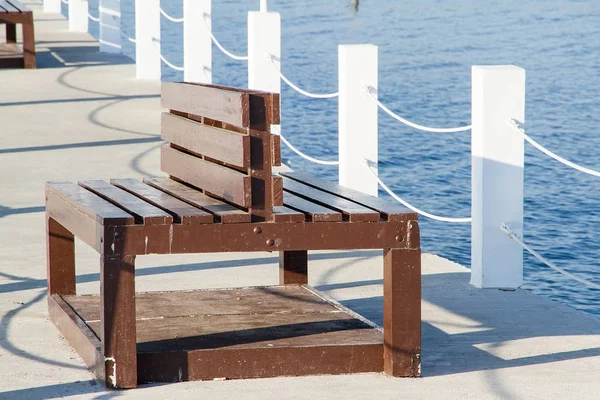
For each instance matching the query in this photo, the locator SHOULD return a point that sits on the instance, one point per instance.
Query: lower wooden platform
(230, 333)
(11, 55)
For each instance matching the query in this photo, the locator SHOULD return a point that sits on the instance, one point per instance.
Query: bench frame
(12, 12)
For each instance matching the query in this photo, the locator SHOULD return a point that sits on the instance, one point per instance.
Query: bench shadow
(77, 55)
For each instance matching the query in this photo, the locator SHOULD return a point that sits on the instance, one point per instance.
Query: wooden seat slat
(285, 214)
(143, 212)
(352, 211)
(226, 106)
(221, 181)
(89, 203)
(314, 211)
(390, 210)
(226, 146)
(226, 213)
(181, 211)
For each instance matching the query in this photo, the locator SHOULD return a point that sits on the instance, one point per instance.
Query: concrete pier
(83, 115)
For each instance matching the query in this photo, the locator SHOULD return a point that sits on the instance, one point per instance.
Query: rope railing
(518, 128)
(90, 16)
(411, 207)
(132, 40)
(506, 229)
(170, 64)
(305, 156)
(296, 88)
(216, 42)
(373, 93)
(173, 19)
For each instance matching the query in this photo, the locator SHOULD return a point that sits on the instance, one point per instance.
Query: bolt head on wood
(257, 230)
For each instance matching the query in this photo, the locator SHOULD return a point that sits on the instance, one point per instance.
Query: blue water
(426, 50)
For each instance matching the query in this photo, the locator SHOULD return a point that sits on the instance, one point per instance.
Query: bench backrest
(220, 141)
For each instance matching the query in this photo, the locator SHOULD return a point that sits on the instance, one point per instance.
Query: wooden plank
(182, 212)
(222, 105)
(315, 212)
(60, 258)
(293, 267)
(89, 203)
(224, 182)
(226, 213)
(277, 188)
(276, 150)
(392, 211)
(285, 214)
(144, 213)
(219, 144)
(352, 211)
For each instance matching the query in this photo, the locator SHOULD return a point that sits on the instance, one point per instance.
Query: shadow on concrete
(5, 211)
(78, 100)
(76, 56)
(80, 145)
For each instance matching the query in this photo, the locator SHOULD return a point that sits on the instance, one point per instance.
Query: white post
(147, 36)
(264, 40)
(52, 6)
(263, 5)
(498, 95)
(78, 15)
(197, 44)
(110, 26)
(357, 116)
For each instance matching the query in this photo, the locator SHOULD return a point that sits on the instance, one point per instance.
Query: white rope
(309, 158)
(175, 67)
(223, 49)
(64, 1)
(132, 40)
(167, 16)
(506, 229)
(93, 18)
(297, 89)
(517, 126)
(413, 208)
(372, 92)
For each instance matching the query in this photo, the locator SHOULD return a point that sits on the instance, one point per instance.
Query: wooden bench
(12, 12)
(222, 196)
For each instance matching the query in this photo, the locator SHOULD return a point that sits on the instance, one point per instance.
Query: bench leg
(29, 44)
(402, 312)
(117, 292)
(11, 33)
(293, 267)
(60, 253)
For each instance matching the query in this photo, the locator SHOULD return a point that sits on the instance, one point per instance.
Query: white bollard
(357, 117)
(52, 6)
(498, 95)
(264, 39)
(263, 5)
(110, 26)
(78, 15)
(147, 36)
(197, 44)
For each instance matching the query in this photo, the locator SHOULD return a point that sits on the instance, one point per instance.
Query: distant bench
(222, 196)
(12, 12)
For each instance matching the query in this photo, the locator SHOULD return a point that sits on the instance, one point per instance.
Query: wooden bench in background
(12, 12)
(222, 196)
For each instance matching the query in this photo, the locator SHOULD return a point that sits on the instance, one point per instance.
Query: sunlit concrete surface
(82, 115)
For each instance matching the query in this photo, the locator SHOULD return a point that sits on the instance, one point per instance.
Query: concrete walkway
(82, 115)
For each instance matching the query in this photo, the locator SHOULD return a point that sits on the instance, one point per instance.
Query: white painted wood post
(197, 44)
(78, 15)
(263, 5)
(147, 36)
(52, 6)
(357, 116)
(110, 26)
(264, 39)
(498, 95)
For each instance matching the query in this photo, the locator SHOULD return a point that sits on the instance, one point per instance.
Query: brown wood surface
(293, 267)
(226, 146)
(285, 214)
(402, 312)
(223, 182)
(225, 213)
(117, 327)
(87, 203)
(352, 211)
(315, 212)
(60, 258)
(222, 105)
(79, 335)
(144, 212)
(276, 150)
(390, 210)
(11, 33)
(181, 211)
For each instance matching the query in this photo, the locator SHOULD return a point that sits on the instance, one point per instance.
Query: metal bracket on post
(498, 96)
(358, 117)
